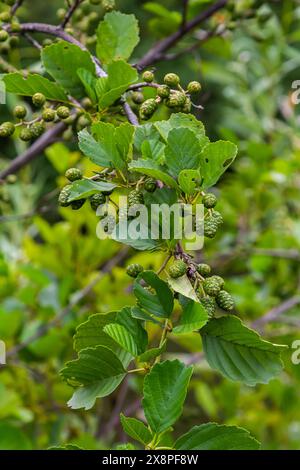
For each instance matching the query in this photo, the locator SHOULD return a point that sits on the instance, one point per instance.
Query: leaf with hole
(215, 158)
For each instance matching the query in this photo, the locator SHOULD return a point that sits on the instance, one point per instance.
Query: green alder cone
(96, 200)
(177, 269)
(48, 115)
(210, 227)
(135, 197)
(137, 97)
(3, 35)
(148, 108)
(211, 286)
(163, 91)
(217, 217)
(7, 129)
(148, 76)
(219, 280)
(204, 269)
(20, 112)
(73, 174)
(209, 304)
(209, 200)
(193, 87)
(108, 5)
(63, 112)
(171, 79)
(38, 100)
(150, 185)
(64, 196)
(37, 129)
(176, 99)
(26, 134)
(225, 300)
(133, 270)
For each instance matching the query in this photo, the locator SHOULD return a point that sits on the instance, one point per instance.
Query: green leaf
(193, 317)
(121, 336)
(90, 334)
(150, 168)
(85, 397)
(213, 436)
(119, 76)
(152, 353)
(238, 352)
(117, 34)
(92, 365)
(215, 159)
(182, 151)
(115, 143)
(140, 314)
(85, 188)
(159, 304)
(141, 244)
(189, 180)
(182, 120)
(136, 429)
(165, 388)
(89, 82)
(62, 60)
(183, 286)
(93, 149)
(33, 83)
(134, 328)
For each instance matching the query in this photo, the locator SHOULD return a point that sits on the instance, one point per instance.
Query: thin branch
(34, 150)
(70, 13)
(16, 6)
(33, 41)
(120, 256)
(59, 33)
(156, 52)
(184, 13)
(132, 118)
(273, 314)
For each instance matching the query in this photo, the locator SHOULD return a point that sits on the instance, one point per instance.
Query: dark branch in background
(157, 51)
(154, 54)
(34, 150)
(70, 13)
(106, 268)
(16, 6)
(32, 41)
(130, 114)
(273, 314)
(184, 13)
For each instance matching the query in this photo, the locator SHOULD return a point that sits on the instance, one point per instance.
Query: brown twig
(157, 51)
(34, 150)
(273, 314)
(70, 13)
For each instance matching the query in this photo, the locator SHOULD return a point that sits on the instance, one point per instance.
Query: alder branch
(273, 314)
(106, 268)
(34, 150)
(157, 51)
(16, 6)
(70, 13)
